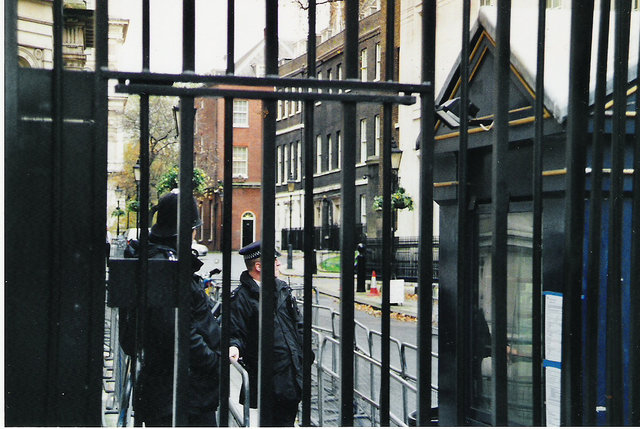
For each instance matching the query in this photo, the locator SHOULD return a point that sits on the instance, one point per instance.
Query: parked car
(200, 248)
(134, 234)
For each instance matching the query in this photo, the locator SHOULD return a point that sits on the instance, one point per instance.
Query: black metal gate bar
(425, 245)
(462, 299)
(634, 307)
(579, 61)
(309, 230)
(536, 263)
(615, 351)
(595, 222)
(185, 216)
(282, 82)
(57, 116)
(387, 237)
(267, 295)
(347, 232)
(227, 217)
(499, 209)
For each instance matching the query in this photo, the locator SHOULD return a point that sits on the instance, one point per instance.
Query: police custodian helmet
(167, 215)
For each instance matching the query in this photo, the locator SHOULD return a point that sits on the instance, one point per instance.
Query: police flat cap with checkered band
(252, 251)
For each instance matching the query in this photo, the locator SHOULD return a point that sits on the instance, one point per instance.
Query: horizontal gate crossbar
(262, 95)
(280, 82)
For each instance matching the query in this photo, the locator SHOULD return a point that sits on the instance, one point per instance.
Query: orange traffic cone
(374, 285)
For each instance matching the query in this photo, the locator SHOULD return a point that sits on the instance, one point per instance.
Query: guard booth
(535, 193)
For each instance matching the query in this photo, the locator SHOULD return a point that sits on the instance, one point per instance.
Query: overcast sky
(211, 30)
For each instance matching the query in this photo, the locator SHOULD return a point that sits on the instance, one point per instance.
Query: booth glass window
(519, 320)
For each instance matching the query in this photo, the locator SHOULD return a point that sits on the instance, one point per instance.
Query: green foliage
(400, 200)
(331, 265)
(133, 206)
(169, 181)
(117, 212)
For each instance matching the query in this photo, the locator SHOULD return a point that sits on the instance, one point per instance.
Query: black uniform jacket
(154, 387)
(287, 342)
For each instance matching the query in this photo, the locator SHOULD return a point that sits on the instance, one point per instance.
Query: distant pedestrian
(287, 341)
(153, 401)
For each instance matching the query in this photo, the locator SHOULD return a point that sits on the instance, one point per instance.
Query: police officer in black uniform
(287, 343)
(153, 400)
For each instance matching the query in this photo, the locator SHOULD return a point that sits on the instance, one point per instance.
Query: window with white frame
(319, 78)
(292, 159)
(363, 140)
(339, 138)
(376, 130)
(286, 105)
(279, 111)
(279, 172)
(241, 113)
(299, 155)
(329, 152)
(299, 103)
(339, 73)
(363, 65)
(319, 154)
(363, 209)
(287, 172)
(329, 77)
(241, 161)
(378, 61)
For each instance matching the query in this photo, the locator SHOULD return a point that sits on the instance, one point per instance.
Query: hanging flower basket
(399, 201)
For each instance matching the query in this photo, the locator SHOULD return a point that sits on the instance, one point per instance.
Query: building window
(376, 129)
(329, 152)
(363, 209)
(279, 172)
(319, 78)
(240, 161)
(287, 171)
(299, 156)
(286, 105)
(329, 77)
(339, 138)
(363, 140)
(279, 111)
(241, 113)
(378, 61)
(299, 107)
(318, 154)
(292, 158)
(363, 65)
(552, 4)
(339, 73)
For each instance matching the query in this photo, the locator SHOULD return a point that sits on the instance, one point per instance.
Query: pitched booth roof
(524, 27)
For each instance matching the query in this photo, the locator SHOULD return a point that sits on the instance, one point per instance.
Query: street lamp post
(119, 192)
(290, 186)
(396, 157)
(136, 177)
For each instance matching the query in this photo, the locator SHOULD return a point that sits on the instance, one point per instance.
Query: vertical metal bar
(99, 201)
(499, 210)
(185, 216)
(579, 60)
(267, 294)
(536, 263)
(615, 351)
(57, 116)
(146, 44)
(348, 216)
(387, 235)
(425, 245)
(227, 216)
(634, 306)
(141, 295)
(595, 223)
(309, 230)
(462, 294)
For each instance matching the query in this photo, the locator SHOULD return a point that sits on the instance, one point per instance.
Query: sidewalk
(329, 284)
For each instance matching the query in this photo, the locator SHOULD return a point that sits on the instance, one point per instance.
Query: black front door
(247, 231)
